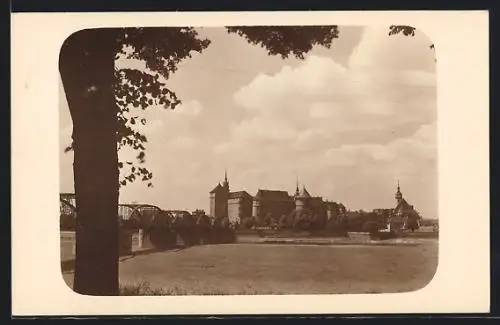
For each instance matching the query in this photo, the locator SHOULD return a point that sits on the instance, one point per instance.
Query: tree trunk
(86, 65)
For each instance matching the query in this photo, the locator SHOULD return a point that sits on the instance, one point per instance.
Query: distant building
(403, 216)
(273, 203)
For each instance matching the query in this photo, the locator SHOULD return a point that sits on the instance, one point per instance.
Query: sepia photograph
(248, 160)
(270, 163)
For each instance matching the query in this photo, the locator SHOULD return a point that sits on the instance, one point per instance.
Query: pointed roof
(226, 182)
(304, 193)
(398, 195)
(216, 188)
(403, 206)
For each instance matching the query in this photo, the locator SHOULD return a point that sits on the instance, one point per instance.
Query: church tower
(399, 195)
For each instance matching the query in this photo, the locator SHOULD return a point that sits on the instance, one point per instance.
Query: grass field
(282, 269)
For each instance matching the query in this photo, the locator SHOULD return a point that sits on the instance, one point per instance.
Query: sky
(348, 122)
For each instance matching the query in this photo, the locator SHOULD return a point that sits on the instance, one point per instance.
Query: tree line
(307, 219)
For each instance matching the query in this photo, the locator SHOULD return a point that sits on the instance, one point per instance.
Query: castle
(272, 203)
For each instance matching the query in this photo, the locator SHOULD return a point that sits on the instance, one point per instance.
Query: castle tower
(219, 199)
(301, 199)
(215, 200)
(399, 195)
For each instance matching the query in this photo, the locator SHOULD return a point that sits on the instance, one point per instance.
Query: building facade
(239, 205)
(267, 203)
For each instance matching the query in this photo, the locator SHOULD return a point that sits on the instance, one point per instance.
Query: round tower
(301, 199)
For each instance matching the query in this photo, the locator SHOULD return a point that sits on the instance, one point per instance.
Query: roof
(404, 206)
(239, 194)
(272, 195)
(304, 193)
(218, 187)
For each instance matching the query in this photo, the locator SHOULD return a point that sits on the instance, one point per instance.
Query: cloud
(289, 106)
(190, 108)
(421, 145)
(183, 142)
(378, 51)
(316, 79)
(343, 128)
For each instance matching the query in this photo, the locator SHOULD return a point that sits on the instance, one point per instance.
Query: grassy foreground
(277, 269)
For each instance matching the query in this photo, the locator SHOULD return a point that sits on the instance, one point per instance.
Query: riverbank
(408, 241)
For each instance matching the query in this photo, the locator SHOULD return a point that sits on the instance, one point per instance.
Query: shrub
(336, 228)
(185, 226)
(412, 224)
(370, 226)
(303, 220)
(318, 222)
(144, 289)
(282, 222)
(203, 228)
(247, 222)
(140, 289)
(221, 232)
(161, 237)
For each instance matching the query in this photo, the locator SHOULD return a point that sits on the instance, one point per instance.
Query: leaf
(161, 49)
(141, 156)
(406, 30)
(68, 148)
(287, 40)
